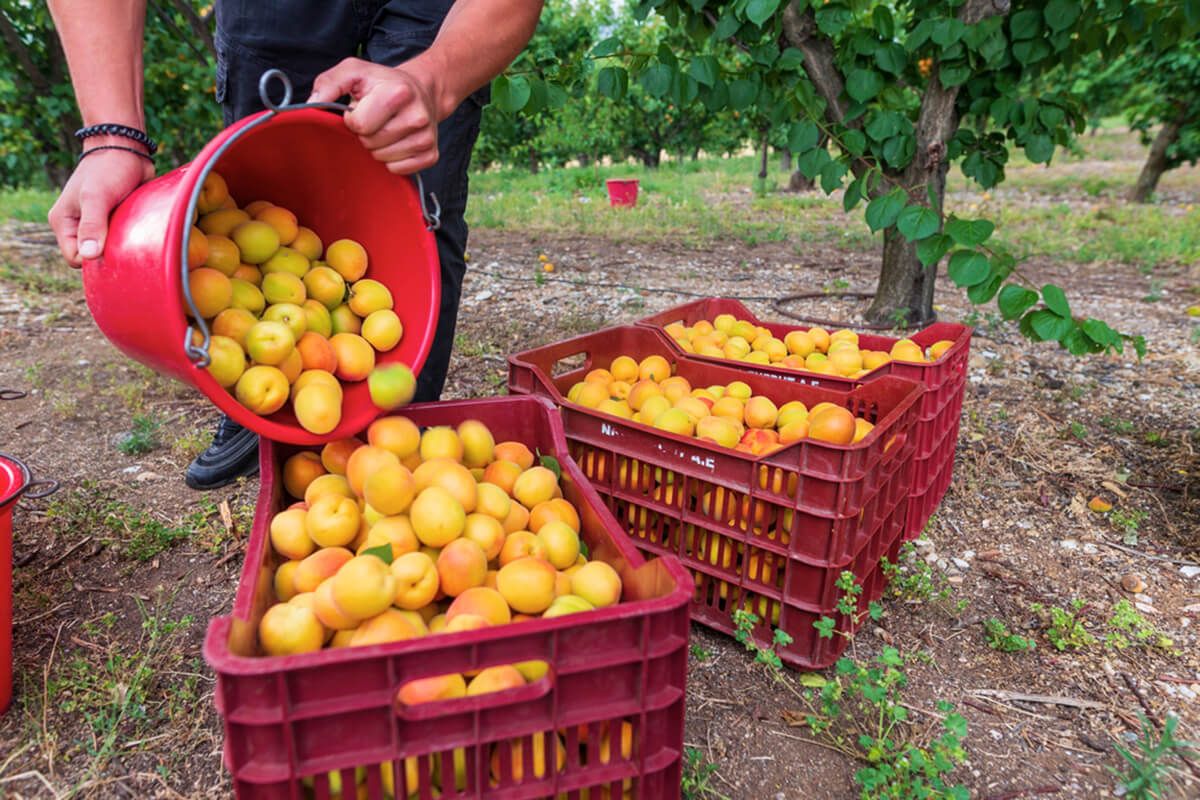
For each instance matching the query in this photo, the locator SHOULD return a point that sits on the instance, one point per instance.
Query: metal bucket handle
(11, 394)
(198, 354)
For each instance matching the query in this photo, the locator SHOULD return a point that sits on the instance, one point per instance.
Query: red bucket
(622, 192)
(305, 159)
(14, 481)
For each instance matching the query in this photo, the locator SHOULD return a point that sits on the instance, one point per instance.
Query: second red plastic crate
(810, 508)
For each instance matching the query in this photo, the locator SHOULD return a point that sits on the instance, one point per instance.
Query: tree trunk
(649, 158)
(766, 152)
(533, 163)
(785, 160)
(1156, 163)
(798, 182)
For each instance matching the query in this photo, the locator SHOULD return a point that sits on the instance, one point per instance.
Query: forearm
(102, 40)
(477, 40)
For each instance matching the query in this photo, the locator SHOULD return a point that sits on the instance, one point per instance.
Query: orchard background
(1025, 167)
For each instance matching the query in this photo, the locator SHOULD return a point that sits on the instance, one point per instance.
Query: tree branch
(800, 31)
(198, 24)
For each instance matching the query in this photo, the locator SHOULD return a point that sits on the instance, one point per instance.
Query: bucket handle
(11, 394)
(35, 490)
(199, 354)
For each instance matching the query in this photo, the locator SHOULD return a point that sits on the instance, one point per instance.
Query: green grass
(26, 205)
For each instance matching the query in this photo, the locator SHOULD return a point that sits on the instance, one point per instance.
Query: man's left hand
(393, 111)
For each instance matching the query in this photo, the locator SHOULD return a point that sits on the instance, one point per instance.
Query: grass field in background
(1071, 210)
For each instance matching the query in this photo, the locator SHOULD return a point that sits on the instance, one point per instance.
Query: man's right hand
(100, 182)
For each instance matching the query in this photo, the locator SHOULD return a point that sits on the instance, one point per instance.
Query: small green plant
(142, 436)
(1077, 430)
(1065, 630)
(1155, 439)
(911, 579)
(836, 285)
(1150, 771)
(1000, 638)
(699, 653)
(539, 278)
(1129, 627)
(1118, 425)
(697, 776)
(860, 712)
(1128, 522)
(140, 535)
(1156, 291)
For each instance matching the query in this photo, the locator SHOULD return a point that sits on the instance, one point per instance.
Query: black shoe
(233, 454)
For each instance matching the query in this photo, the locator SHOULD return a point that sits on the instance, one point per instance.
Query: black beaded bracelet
(89, 151)
(113, 129)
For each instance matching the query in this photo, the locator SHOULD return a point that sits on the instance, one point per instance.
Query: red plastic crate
(294, 719)
(810, 507)
(944, 380)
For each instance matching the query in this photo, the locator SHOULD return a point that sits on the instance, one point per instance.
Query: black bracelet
(88, 152)
(113, 129)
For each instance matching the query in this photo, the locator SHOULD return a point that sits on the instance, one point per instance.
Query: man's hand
(394, 110)
(100, 182)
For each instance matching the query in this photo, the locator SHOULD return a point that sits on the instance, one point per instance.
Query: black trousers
(306, 37)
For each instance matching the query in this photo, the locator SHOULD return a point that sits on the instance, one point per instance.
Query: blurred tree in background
(37, 105)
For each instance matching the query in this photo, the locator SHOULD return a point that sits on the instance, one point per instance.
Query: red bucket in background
(14, 481)
(305, 160)
(622, 192)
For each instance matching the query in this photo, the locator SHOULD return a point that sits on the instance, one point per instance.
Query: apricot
(482, 602)
(256, 241)
(517, 519)
(222, 221)
(211, 291)
(695, 408)
(640, 392)
(289, 314)
(396, 531)
(213, 192)
(390, 625)
(333, 521)
(325, 286)
(327, 609)
(555, 509)
(722, 430)
(495, 679)
(282, 287)
(364, 461)
(343, 320)
(437, 517)
(485, 531)
(283, 221)
(317, 567)
(300, 470)
(347, 257)
(461, 565)
(286, 261)
(794, 431)
(262, 389)
(939, 348)
(289, 534)
(873, 359)
(391, 386)
(451, 476)
(521, 544)
(310, 377)
(441, 442)
(287, 630)
(316, 352)
(317, 319)
(492, 500)
(269, 342)
(390, 489)
(654, 368)
(478, 445)
(675, 420)
(591, 394)
(907, 350)
(516, 452)
(567, 604)
(833, 424)
(675, 388)
(197, 248)
(318, 408)
(416, 580)
(328, 485)
(227, 361)
(368, 296)
(861, 429)
(284, 583)
(561, 543)
(527, 584)
(652, 408)
(336, 454)
(427, 690)
(355, 356)
(502, 474)
(534, 485)
(364, 586)
(598, 583)
(383, 329)
(761, 412)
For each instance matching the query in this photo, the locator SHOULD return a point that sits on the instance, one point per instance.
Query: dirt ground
(117, 575)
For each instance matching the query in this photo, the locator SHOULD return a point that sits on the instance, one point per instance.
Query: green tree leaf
(759, 11)
(656, 80)
(890, 57)
(854, 142)
(803, 136)
(1039, 148)
(383, 552)
(612, 82)
(980, 293)
(918, 222)
(969, 232)
(1050, 326)
(931, 250)
(704, 70)
(790, 59)
(742, 94)
(832, 19)
(1015, 300)
(510, 94)
(1061, 14)
(884, 210)
(863, 84)
(954, 74)
(968, 267)
(1055, 300)
(811, 163)
(1025, 24)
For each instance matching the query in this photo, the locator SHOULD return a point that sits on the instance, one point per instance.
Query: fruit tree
(901, 91)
